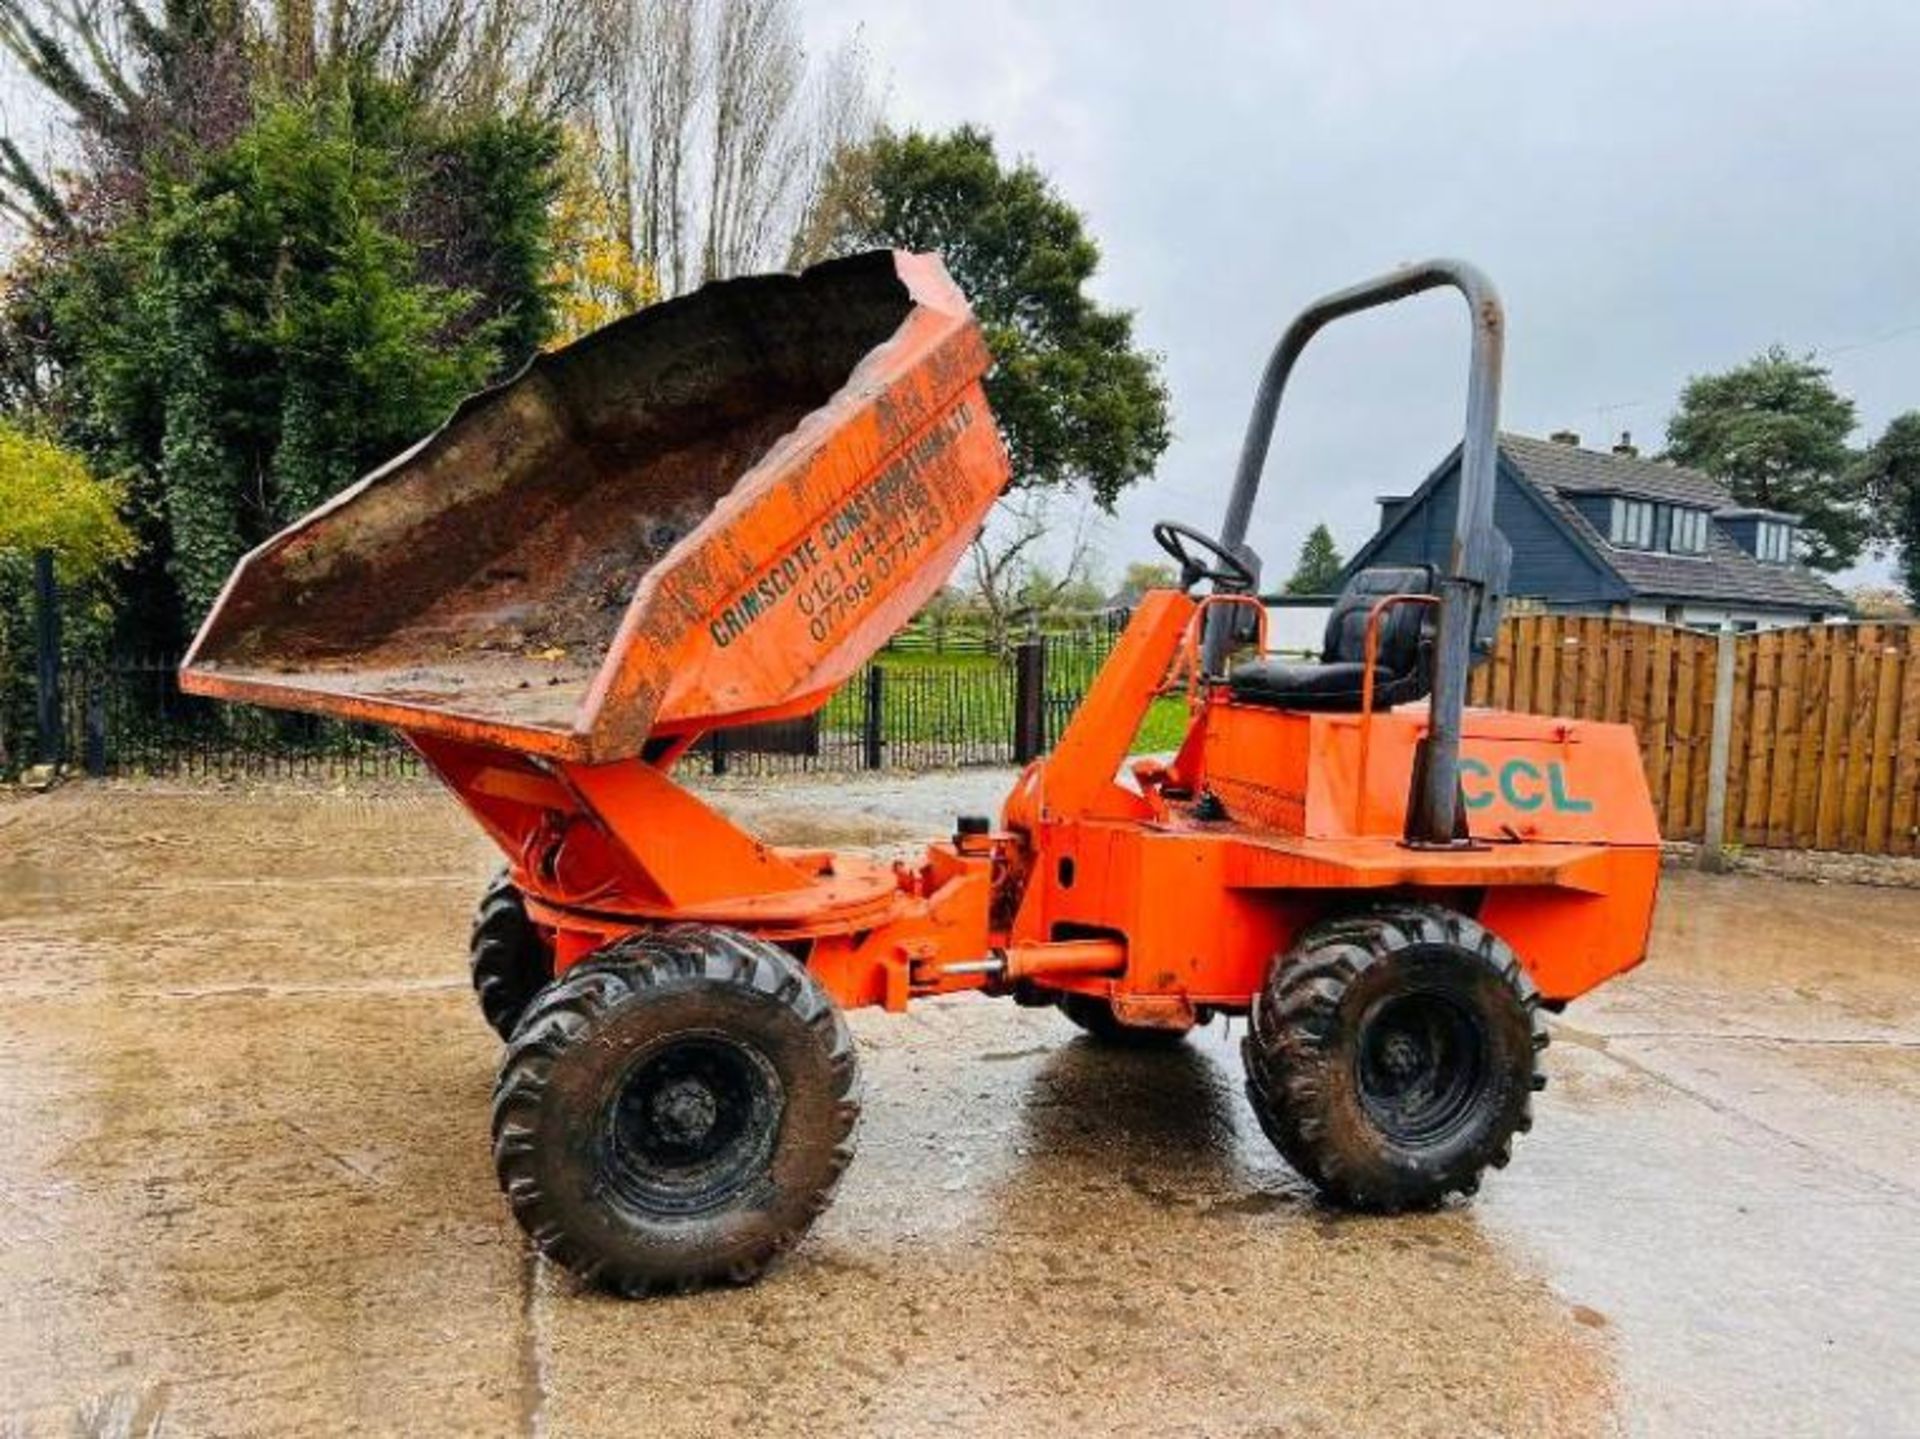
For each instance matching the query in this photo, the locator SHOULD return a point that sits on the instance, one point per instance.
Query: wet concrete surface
(245, 1185)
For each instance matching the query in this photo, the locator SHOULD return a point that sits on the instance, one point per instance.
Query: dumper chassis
(711, 514)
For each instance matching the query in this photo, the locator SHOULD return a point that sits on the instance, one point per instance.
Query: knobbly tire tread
(1095, 1017)
(564, 1021)
(1297, 1061)
(508, 959)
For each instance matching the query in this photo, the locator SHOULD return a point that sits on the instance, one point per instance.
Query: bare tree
(757, 74)
(846, 114)
(135, 78)
(639, 115)
(714, 130)
(1007, 578)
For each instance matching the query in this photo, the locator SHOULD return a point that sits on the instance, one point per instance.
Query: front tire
(508, 957)
(1393, 1054)
(676, 1111)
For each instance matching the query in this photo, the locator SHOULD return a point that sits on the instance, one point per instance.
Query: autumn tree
(49, 500)
(597, 276)
(1775, 430)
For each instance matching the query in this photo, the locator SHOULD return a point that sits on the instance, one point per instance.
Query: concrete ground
(244, 1185)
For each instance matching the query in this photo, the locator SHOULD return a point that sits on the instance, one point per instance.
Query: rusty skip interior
(487, 569)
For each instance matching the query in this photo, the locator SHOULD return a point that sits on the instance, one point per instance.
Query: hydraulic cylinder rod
(1060, 958)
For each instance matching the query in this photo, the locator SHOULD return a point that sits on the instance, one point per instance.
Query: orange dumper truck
(710, 514)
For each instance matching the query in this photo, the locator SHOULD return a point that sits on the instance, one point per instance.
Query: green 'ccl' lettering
(1523, 785)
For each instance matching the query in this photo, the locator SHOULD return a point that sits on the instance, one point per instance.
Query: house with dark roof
(1610, 532)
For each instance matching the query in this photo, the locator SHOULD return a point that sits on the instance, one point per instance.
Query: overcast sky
(1657, 188)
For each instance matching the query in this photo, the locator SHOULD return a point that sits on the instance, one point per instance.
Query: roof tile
(1725, 573)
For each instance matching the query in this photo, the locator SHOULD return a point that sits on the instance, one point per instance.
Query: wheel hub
(1402, 1057)
(1420, 1061)
(685, 1111)
(692, 1123)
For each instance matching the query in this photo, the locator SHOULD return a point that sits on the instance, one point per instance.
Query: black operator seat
(1403, 669)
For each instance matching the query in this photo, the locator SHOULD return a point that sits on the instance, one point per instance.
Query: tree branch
(35, 199)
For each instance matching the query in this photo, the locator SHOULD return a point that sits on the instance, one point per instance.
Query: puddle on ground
(246, 1104)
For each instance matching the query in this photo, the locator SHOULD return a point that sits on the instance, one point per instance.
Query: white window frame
(1630, 525)
(1774, 542)
(1687, 531)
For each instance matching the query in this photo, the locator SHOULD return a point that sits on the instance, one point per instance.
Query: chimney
(1626, 446)
(1564, 437)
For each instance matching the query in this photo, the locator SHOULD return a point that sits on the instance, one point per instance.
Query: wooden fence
(1822, 721)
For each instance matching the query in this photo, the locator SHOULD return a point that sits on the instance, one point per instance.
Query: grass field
(965, 700)
(1163, 728)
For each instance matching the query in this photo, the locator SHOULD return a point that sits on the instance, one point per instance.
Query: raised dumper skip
(710, 514)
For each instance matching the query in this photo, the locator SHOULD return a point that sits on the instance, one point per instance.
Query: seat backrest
(1405, 630)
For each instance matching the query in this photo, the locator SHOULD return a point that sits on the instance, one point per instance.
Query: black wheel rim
(693, 1122)
(1421, 1063)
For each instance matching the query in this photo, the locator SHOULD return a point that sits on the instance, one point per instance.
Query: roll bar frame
(1475, 574)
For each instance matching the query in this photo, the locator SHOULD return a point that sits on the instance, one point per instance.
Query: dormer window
(1774, 542)
(1649, 525)
(1687, 532)
(1631, 526)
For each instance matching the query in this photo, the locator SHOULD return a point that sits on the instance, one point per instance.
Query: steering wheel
(1229, 571)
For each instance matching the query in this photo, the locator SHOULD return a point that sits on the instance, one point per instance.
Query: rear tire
(676, 1111)
(1102, 1025)
(509, 958)
(1393, 1054)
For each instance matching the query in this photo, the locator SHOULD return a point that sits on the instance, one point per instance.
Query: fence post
(717, 750)
(46, 673)
(93, 723)
(1719, 755)
(1029, 699)
(873, 733)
